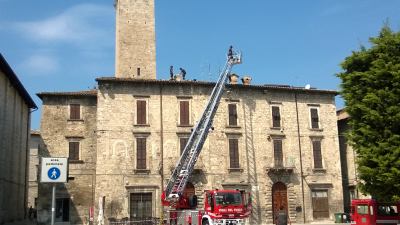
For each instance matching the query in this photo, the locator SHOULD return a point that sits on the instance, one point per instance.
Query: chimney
(233, 78)
(246, 80)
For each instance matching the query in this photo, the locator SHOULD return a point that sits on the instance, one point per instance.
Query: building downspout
(27, 157)
(300, 157)
(162, 143)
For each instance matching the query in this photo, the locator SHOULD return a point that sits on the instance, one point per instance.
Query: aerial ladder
(173, 193)
(187, 161)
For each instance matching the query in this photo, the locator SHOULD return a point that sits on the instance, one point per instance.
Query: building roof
(342, 114)
(35, 132)
(85, 93)
(6, 69)
(205, 83)
(93, 92)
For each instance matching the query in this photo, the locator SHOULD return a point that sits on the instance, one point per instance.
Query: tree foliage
(371, 90)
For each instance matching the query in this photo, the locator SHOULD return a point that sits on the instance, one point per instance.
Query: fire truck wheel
(205, 222)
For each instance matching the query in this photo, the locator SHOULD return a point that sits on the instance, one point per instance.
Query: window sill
(76, 120)
(235, 170)
(233, 126)
(141, 125)
(276, 128)
(319, 170)
(75, 161)
(141, 171)
(316, 129)
(185, 125)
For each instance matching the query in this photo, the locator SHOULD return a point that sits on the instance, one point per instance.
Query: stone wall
(35, 144)
(135, 39)
(14, 128)
(56, 131)
(117, 134)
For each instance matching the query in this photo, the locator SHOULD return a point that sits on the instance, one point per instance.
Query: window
(182, 143)
(317, 154)
(387, 210)
(278, 155)
(141, 153)
(75, 111)
(276, 116)
(138, 71)
(362, 209)
(73, 150)
(232, 115)
(62, 210)
(234, 153)
(141, 207)
(314, 118)
(141, 112)
(352, 192)
(184, 112)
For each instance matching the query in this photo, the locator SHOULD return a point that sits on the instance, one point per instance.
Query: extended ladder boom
(190, 154)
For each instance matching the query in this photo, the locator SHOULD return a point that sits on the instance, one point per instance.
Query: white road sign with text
(54, 170)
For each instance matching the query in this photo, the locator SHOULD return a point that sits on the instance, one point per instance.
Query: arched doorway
(189, 190)
(279, 198)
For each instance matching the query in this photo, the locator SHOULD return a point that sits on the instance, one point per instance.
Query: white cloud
(75, 25)
(40, 64)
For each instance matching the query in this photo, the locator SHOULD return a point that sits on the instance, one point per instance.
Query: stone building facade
(35, 146)
(272, 158)
(15, 110)
(348, 158)
(123, 139)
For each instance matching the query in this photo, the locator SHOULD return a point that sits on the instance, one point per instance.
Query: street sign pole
(53, 204)
(54, 170)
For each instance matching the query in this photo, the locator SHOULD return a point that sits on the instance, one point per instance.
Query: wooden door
(320, 204)
(279, 198)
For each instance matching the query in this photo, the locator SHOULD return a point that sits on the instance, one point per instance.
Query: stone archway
(279, 198)
(189, 190)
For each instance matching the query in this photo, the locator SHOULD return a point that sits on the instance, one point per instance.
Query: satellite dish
(308, 86)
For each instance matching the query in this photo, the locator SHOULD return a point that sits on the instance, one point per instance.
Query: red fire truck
(221, 207)
(371, 212)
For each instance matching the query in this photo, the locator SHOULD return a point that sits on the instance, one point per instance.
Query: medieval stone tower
(135, 39)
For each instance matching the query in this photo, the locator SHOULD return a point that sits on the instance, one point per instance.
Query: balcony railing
(280, 166)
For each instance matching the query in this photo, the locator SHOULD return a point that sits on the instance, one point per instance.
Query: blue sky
(64, 45)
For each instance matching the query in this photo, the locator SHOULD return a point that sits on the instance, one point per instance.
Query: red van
(371, 212)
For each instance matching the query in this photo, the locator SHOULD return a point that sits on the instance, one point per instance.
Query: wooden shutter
(234, 153)
(317, 154)
(278, 155)
(141, 153)
(232, 115)
(184, 112)
(314, 118)
(73, 150)
(183, 142)
(276, 117)
(141, 111)
(75, 112)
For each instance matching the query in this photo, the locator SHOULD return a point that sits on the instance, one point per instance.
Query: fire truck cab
(371, 212)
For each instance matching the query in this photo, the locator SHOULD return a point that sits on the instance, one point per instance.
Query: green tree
(371, 90)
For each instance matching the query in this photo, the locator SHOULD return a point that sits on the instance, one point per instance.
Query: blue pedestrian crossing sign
(54, 170)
